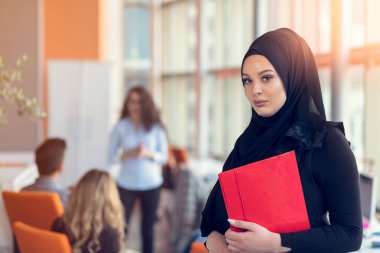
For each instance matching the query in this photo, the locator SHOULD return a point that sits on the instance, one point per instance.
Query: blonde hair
(93, 205)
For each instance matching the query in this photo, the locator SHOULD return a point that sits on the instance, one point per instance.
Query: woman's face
(134, 105)
(263, 87)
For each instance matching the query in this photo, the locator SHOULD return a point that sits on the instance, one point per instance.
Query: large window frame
(200, 63)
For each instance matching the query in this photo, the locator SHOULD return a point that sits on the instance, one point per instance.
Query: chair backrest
(180, 154)
(38, 209)
(198, 247)
(33, 240)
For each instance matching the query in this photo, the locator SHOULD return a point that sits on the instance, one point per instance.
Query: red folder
(267, 192)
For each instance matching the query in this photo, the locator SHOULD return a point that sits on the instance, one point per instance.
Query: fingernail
(231, 221)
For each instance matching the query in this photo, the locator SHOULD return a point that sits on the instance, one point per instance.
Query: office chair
(35, 240)
(37, 209)
(180, 154)
(198, 247)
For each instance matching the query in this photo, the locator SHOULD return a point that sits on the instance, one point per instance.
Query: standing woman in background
(281, 83)
(139, 141)
(94, 217)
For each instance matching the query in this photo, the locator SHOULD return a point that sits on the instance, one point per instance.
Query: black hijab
(301, 119)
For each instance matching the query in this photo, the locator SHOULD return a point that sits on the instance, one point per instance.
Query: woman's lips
(259, 103)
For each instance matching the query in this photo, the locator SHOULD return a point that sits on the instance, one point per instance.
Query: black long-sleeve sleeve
(330, 184)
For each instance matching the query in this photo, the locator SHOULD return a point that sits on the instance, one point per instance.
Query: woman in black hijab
(280, 80)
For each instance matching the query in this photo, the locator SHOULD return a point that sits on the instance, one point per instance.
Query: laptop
(368, 198)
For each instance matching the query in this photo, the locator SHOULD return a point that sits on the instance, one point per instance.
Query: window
(225, 33)
(324, 25)
(137, 37)
(357, 28)
(178, 110)
(229, 114)
(179, 38)
(355, 108)
(136, 44)
(178, 71)
(226, 30)
(372, 25)
(325, 80)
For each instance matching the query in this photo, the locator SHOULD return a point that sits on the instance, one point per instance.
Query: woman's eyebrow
(264, 71)
(260, 73)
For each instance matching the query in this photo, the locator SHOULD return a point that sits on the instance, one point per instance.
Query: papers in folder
(267, 192)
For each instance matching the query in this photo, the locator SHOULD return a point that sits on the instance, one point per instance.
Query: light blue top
(138, 173)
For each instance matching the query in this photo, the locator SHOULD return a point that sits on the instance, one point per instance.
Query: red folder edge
(233, 204)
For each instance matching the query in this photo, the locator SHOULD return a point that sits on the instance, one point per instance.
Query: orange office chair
(198, 247)
(180, 154)
(38, 209)
(35, 240)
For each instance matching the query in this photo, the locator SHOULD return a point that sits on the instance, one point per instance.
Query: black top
(108, 239)
(330, 183)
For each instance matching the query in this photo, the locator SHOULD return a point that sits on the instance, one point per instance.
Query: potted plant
(10, 93)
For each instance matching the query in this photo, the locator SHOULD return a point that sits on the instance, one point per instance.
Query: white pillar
(340, 11)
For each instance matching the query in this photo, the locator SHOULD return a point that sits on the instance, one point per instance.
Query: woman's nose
(257, 89)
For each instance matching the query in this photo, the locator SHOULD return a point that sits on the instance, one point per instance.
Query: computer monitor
(368, 192)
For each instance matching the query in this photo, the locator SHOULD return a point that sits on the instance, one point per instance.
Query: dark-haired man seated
(49, 157)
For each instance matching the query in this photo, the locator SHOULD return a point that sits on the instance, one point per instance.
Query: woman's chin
(264, 113)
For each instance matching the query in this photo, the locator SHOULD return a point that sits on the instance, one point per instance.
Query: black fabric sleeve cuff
(286, 241)
(206, 246)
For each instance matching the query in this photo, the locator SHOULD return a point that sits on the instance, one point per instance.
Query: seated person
(49, 157)
(93, 220)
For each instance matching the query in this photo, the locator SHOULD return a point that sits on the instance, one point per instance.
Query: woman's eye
(246, 81)
(267, 78)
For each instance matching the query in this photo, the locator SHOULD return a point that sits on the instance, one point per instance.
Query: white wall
(80, 111)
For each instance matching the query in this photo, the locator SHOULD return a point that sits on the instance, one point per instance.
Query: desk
(12, 179)
(366, 247)
(368, 237)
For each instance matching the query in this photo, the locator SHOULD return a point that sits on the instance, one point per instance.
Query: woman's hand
(143, 152)
(257, 239)
(140, 151)
(129, 153)
(216, 243)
